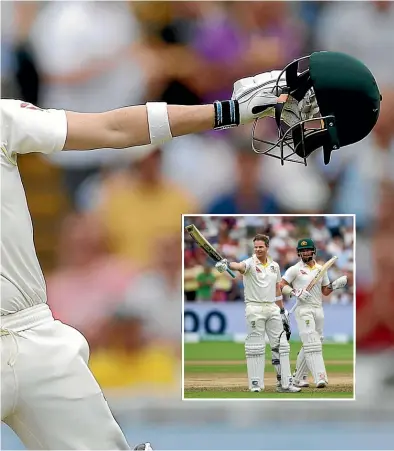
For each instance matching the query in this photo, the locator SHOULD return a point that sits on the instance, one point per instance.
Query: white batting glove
(339, 283)
(302, 295)
(222, 266)
(257, 98)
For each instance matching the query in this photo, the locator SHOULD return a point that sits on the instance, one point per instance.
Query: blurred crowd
(118, 261)
(233, 239)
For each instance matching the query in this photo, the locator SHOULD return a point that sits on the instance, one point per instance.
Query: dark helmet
(336, 102)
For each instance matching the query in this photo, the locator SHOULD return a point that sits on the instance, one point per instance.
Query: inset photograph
(268, 309)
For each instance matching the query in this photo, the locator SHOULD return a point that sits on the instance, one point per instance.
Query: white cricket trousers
(309, 319)
(49, 397)
(265, 318)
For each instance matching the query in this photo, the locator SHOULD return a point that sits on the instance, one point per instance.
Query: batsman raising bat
(264, 314)
(308, 282)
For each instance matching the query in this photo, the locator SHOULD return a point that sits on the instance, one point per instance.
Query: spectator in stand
(156, 293)
(336, 246)
(126, 352)
(355, 174)
(371, 40)
(222, 287)
(85, 59)
(228, 32)
(226, 243)
(205, 280)
(138, 204)
(190, 275)
(88, 282)
(245, 194)
(318, 230)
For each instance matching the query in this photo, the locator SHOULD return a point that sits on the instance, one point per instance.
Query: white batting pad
(255, 359)
(301, 366)
(314, 356)
(285, 371)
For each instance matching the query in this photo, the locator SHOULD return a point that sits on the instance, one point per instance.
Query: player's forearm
(235, 266)
(279, 297)
(129, 126)
(327, 290)
(183, 120)
(190, 119)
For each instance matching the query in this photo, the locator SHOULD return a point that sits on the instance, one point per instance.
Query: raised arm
(32, 129)
(128, 127)
(157, 122)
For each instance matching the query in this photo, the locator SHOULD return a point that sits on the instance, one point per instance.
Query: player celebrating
(309, 312)
(49, 396)
(263, 311)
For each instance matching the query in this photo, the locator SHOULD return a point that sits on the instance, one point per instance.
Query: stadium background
(108, 224)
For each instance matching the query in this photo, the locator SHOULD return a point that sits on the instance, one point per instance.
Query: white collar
(258, 262)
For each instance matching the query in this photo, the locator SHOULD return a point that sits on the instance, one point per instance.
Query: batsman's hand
(339, 283)
(302, 295)
(257, 97)
(222, 266)
(284, 314)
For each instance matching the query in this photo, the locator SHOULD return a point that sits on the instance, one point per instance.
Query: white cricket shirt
(24, 129)
(300, 275)
(260, 280)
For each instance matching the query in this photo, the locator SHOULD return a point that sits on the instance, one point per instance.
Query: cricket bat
(199, 238)
(317, 277)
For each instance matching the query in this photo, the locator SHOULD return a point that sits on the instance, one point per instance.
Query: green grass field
(218, 370)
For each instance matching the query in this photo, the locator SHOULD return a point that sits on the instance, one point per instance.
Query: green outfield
(216, 369)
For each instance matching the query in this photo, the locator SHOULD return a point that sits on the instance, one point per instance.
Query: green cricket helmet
(306, 244)
(334, 102)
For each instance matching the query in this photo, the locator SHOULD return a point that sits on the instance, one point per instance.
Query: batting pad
(314, 356)
(301, 366)
(284, 352)
(255, 359)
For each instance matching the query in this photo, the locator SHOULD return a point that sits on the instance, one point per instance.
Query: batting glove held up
(339, 283)
(222, 266)
(258, 95)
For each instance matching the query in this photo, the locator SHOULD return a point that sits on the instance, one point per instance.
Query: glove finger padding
(339, 283)
(222, 265)
(257, 96)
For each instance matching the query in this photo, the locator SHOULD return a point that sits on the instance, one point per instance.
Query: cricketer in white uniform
(309, 312)
(49, 397)
(264, 314)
